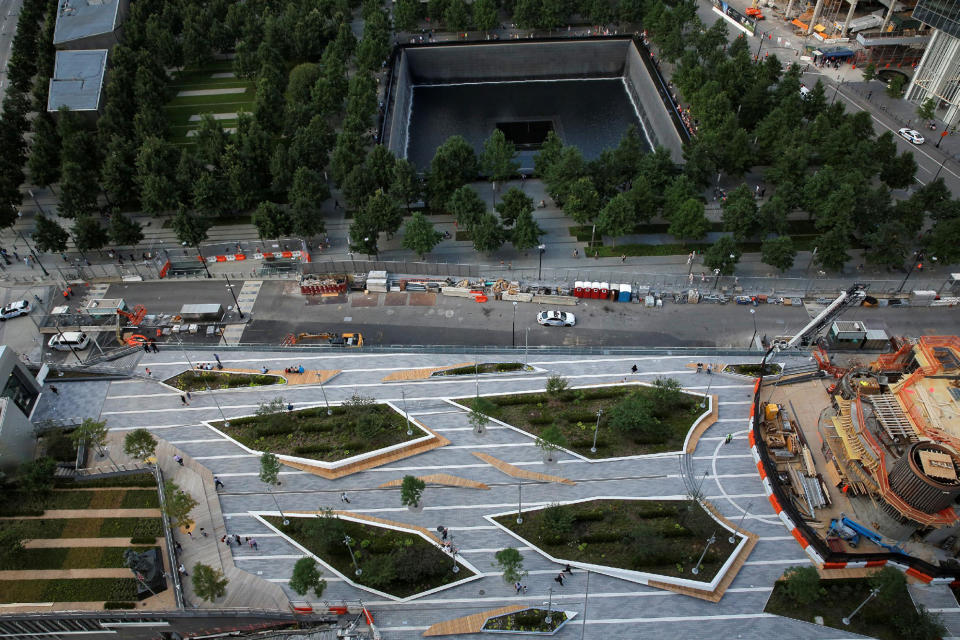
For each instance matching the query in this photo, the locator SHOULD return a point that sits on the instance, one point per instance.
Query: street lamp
(873, 594)
(733, 538)
(917, 260)
(549, 617)
(357, 570)
(324, 392)
(279, 510)
(703, 400)
(405, 413)
(716, 280)
(235, 301)
(753, 314)
(542, 248)
(596, 429)
(520, 502)
(456, 567)
(513, 327)
(35, 255)
(710, 541)
(203, 260)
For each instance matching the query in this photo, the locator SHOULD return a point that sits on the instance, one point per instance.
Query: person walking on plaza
(344, 498)
(559, 578)
(633, 369)
(217, 483)
(183, 399)
(183, 570)
(54, 390)
(178, 459)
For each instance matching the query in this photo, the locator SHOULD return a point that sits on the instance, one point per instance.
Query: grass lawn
(202, 380)
(838, 599)
(753, 369)
(86, 527)
(487, 367)
(574, 412)
(70, 558)
(180, 108)
(655, 536)
(526, 620)
(395, 562)
(16, 504)
(311, 433)
(68, 590)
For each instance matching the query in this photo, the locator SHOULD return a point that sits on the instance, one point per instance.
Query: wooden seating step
(469, 624)
(439, 478)
(420, 374)
(517, 472)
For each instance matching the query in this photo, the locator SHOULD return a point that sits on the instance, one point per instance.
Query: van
(68, 340)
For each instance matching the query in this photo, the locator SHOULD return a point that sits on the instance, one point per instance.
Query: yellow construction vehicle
(338, 339)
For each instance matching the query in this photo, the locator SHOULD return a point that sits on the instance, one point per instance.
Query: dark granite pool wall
(526, 60)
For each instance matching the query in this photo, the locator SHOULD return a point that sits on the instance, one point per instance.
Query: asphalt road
(9, 12)
(281, 310)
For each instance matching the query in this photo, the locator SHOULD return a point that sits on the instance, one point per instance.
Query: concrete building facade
(18, 398)
(938, 74)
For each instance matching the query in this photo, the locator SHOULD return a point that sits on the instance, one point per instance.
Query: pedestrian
(699, 367)
(254, 544)
(567, 569)
(54, 389)
(445, 533)
(709, 371)
(510, 266)
(190, 533)
(149, 373)
(518, 587)
(247, 539)
(344, 498)
(202, 532)
(559, 578)
(250, 542)
(633, 369)
(623, 258)
(236, 538)
(182, 569)
(183, 399)
(576, 253)
(219, 364)
(178, 459)
(177, 547)
(189, 396)
(217, 483)
(224, 540)
(728, 439)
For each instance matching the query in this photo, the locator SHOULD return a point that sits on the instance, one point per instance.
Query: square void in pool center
(589, 114)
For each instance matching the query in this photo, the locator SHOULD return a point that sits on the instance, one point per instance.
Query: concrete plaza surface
(614, 607)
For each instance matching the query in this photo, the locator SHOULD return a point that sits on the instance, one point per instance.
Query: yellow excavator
(337, 339)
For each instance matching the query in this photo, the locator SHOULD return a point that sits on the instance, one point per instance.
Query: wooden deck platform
(309, 376)
(469, 624)
(440, 478)
(420, 374)
(517, 472)
(705, 424)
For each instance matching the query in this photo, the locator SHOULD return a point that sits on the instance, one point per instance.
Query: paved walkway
(729, 479)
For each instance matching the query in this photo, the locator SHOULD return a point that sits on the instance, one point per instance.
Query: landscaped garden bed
(70, 558)
(68, 590)
(134, 528)
(652, 536)
(486, 367)
(195, 380)
(398, 563)
(890, 615)
(636, 419)
(527, 620)
(358, 426)
(753, 370)
(23, 505)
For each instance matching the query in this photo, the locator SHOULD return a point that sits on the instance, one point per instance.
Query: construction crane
(808, 334)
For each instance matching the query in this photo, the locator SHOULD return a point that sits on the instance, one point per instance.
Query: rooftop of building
(78, 19)
(77, 80)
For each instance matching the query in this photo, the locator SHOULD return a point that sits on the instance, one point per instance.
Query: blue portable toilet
(624, 293)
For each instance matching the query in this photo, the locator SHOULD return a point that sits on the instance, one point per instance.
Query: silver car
(14, 309)
(556, 319)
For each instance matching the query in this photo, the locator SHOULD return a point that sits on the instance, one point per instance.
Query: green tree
(549, 153)
(802, 584)
(139, 444)
(582, 202)
(44, 161)
(156, 175)
(564, 172)
(178, 504)
(190, 227)
(891, 584)
(480, 411)
(617, 218)
(405, 185)
(386, 210)
(208, 583)
(895, 86)
(306, 577)
(526, 232)
(466, 206)
(457, 15)
(419, 235)
(689, 222)
(485, 14)
(49, 236)
(497, 158)
(124, 230)
(888, 243)
(898, 170)
(118, 175)
(35, 478)
(832, 247)
(869, 72)
(88, 235)
(510, 562)
(271, 220)
(740, 214)
(551, 439)
(486, 233)
(634, 415)
(557, 385)
(778, 252)
(358, 187)
(78, 189)
(406, 14)
(454, 164)
(269, 468)
(512, 205)
(927, 109)
(411, 491)
(944, 240)
(307, 193)
(723, 255)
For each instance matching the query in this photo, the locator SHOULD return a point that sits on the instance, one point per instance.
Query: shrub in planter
(119, 605)
(411, 492)
(594, 515)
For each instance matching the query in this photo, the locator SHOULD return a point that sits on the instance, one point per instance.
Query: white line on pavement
(202, 440)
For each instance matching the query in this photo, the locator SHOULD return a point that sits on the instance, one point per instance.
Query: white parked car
(14, 309)
(556, 319)
(911, 135)
(69, 340)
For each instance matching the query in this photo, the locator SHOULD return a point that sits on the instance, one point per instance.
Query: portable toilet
(614, 291)
(604, 290)
(624, 293)
(578, 289)
(594, 290)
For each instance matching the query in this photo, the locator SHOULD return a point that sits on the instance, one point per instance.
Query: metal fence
(477, 350)
(394, 266)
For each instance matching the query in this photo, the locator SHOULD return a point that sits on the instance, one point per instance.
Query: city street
(9, 10)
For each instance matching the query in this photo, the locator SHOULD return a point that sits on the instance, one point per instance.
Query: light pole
(940, 169)
(549, 618)
(836, 92)
(753, 314)
(716, 278)
(917, 259)
(513, 327)
(586, 595)
(733, 538)
(873, 594)
(541, 248)
(405, 413)
(520, 502)
(700, 484)
(456, 568)
(203, 260)
(235, 301)
(596, 429)
(703, 400)
(526, 346)
(279, 510)
(35, 255)
(357, 570)
(710, 541)
(324, 392)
